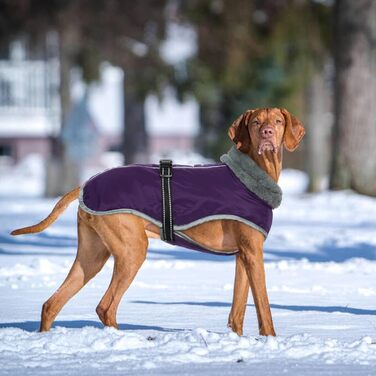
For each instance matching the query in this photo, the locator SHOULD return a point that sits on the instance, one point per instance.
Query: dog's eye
(278, 121)
(255, 122)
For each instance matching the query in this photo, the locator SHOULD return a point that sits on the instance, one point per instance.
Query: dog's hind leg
(240, 297)
(126, 239)
(92, 254)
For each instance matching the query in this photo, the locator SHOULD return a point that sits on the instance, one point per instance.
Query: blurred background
(91, 84)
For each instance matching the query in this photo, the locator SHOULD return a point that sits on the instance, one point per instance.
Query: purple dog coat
(199, 194)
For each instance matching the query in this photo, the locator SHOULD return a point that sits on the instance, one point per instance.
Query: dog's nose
(267, 132)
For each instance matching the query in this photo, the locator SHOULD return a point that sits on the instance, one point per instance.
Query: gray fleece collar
(253, 177)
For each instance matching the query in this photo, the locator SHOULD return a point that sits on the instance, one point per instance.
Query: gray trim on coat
(253, 177)
(218, 217)
(212, 250)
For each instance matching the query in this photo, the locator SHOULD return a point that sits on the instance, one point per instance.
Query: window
(6, 150)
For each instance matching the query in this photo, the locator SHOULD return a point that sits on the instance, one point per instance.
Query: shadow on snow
(329, 251)
(297, 308)
(32, 326)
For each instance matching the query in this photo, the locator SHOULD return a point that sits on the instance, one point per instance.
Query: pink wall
(21, 147)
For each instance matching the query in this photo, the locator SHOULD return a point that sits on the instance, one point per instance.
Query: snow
(293, 181)
(30, 169)
(320, 261)
(124, 350)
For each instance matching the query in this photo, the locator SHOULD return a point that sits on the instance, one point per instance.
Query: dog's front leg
(251, 252)
(240, 297)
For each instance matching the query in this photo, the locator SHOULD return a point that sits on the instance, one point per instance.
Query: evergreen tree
(251, 54)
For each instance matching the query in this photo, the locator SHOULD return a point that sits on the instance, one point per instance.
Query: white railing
(29, 87)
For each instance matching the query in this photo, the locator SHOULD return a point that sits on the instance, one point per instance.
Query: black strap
(165, 169)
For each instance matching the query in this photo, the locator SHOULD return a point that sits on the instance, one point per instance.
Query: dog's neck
(270, 162)
(254, 176)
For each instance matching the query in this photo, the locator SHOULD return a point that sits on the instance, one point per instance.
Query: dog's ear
(238, 132)
(294, 131)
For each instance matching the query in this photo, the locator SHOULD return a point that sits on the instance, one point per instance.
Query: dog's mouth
(267, 146)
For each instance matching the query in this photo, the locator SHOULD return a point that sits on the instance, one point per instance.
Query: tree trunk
(215, 119)
(317, 137)
(63, 173)
(354, 163)
(135, 138)
(207, 141)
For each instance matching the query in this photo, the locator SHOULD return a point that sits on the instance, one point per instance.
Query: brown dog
(258, 133)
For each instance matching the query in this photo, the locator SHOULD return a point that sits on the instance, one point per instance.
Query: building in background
(30, 110)
(30, 116)
(29, 102)
(30, 105)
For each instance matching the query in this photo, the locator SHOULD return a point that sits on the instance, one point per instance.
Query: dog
(258, 135)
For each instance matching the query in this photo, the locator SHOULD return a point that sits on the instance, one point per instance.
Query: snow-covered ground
(320, 264)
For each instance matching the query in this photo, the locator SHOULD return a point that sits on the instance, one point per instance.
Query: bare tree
(354, 162)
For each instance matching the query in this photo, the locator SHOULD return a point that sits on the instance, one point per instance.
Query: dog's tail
(53, 216)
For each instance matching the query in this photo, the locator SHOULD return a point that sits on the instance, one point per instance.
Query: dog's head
(265, 130)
